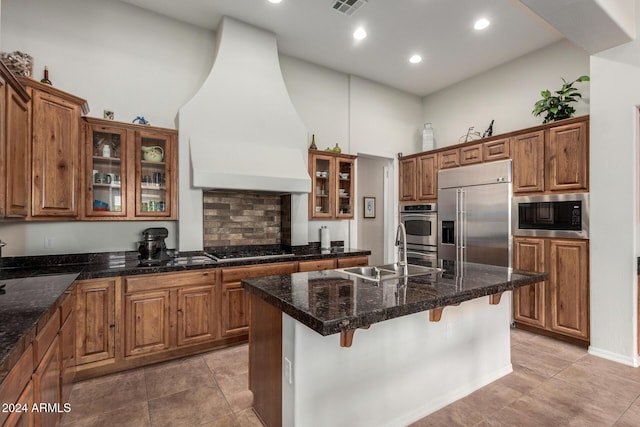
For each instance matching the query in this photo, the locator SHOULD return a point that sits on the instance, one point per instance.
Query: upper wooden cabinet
(130, 171)
(332, 185)
(567, 157)
(550, 158)
(528, 162)
(55, 150)
(15, 161)
(419, 178)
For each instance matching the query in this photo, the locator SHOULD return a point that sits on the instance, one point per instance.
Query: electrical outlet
(49, 242)
(287, 370)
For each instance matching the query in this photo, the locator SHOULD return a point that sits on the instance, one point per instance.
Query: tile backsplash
(245, 218)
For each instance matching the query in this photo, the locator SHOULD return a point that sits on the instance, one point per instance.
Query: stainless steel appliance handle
(463, 226)
(457, 225)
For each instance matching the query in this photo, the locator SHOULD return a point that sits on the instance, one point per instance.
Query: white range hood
(243, 131)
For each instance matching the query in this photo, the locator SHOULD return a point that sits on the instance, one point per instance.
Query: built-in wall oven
(551, 215)
(421, 223)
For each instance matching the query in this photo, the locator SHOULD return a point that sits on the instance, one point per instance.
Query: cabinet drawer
(496, 150)
(237, 274)
(317, 265)
(147, 282)
(449, 159)
(470, 155)
(355, 261)
(45, 337)
(16, 381)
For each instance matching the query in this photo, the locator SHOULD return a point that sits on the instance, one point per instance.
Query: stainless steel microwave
(551, 215)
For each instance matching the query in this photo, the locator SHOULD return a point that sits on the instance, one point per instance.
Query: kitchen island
(422, 342)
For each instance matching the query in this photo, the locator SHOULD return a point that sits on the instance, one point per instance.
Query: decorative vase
(337, 149)
(313, 145)
(427, 137)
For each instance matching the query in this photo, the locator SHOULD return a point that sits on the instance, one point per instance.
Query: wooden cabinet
(529, 301)
(95, 312)
(332, 185)
(559, 306)
(16, 381)
(500, 149)
(449, 159)
(528, 162)
(235, 300)
(24, 417)
(170, 310)
(130, 171)
(567, 157)
(471, 154)
(197, 314)
(15, 160)
(408, 175)
(67, 347)
(46, 384)
(554, 159)
(317, 265)
(419, 178)
(55, 150)
(355, 261)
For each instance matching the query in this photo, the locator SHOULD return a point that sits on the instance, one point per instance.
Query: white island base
(395, 372)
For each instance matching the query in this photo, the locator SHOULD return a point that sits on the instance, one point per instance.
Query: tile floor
(553, 384)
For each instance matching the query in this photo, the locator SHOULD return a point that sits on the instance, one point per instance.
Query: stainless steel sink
(388, 271)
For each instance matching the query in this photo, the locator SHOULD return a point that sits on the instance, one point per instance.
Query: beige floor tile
(172, 377)
(248, 418)
(105, 394)
(534, 362)
(133, 415)
(608, 368)
(593, 381)
(491, 398)
(557, 348)
(229, 361)
(631, 417)
(226, 421)
(519, 336)
(521, 380)
(458, 413)
(191, 407)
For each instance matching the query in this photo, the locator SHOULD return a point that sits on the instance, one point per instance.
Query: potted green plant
(558, 106)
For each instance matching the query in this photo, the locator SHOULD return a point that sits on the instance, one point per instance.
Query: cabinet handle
(179, 310)
(112, 326)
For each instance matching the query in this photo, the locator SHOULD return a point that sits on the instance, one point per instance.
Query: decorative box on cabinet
(55, 156)
(332, 178)
(120, 183)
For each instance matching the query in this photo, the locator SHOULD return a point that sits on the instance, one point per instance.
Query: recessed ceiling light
(275, 1)
(415, 59)
(359, 33)
(481, 24)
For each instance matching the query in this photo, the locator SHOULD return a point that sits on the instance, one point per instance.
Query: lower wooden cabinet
(146, 322)
(559, 306)
(95, 314)
(317, 265)
(165, 311)
(46, 383)
(198, 314)
(23, 418)
(356, 261)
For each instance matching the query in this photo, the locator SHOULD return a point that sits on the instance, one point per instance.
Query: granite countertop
(34, 285)
(330, 301)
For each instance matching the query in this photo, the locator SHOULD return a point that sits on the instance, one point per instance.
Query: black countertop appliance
(152, 247)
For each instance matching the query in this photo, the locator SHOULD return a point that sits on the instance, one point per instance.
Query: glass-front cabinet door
(106, 172)
(322, 178)
(345, 172)
(153, 174)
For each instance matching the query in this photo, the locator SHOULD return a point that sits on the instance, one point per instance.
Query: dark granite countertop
(24, 302)
(34, 284)
(330, 301)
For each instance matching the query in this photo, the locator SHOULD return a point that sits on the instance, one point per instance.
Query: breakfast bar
(330, 348)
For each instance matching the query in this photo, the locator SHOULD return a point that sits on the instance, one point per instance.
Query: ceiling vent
(348, 7)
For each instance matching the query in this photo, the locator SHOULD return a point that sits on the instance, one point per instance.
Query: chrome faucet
(401, 237)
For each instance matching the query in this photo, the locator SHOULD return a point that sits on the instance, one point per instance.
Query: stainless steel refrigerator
(474, 213)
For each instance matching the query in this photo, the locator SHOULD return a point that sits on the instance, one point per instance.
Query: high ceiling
(441, 31)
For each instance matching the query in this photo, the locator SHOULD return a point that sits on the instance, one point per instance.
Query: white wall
(117, 57)
(614, 201)
(506, 93)
(371, 184)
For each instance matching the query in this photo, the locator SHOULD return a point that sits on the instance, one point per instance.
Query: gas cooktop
(246, 254)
